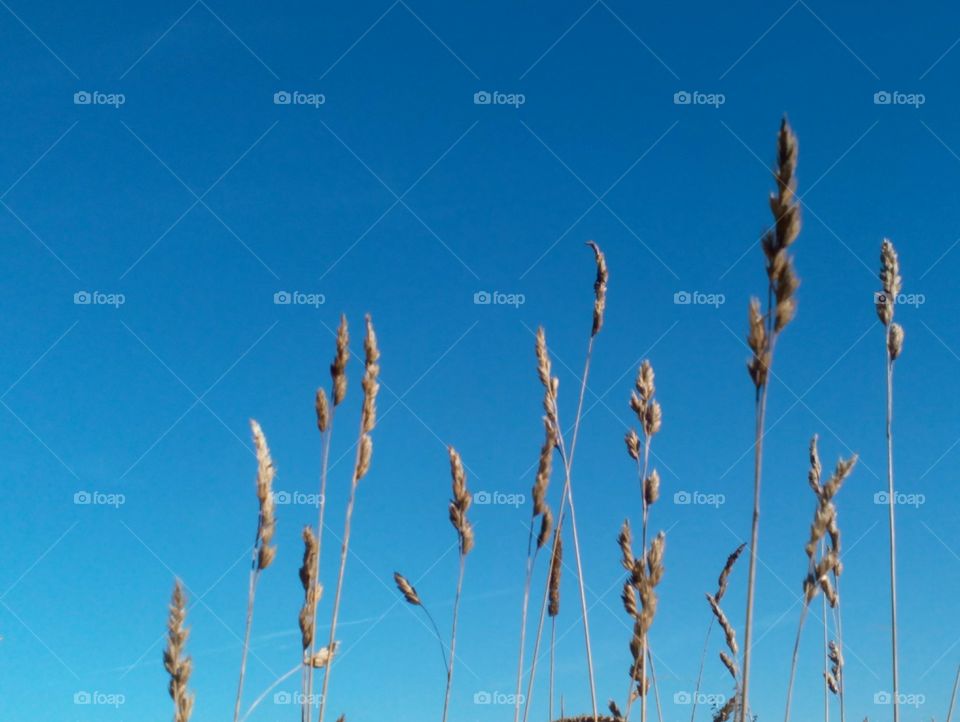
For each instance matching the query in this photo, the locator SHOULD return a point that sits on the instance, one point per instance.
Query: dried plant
(263, 553)
(765, 327)
(410, 594)
(891, 283)
(325, 416)
(722, 582)
(728, 657)
(825, 538)
(649, 418)
(551, 386)
(458, 508)
(368, 416)
(175, 661)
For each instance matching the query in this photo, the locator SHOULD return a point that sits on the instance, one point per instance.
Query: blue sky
(182, 198)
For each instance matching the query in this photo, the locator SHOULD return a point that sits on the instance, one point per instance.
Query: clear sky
(182, 198)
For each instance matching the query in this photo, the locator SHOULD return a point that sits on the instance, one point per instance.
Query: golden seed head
(265, 474)
(651, 488)
(633, 444)
(371, 387)
(725, 573)
(323, 411)
(460, 503)
(556, 563)
(408, 591)
(308, 580)
(895, 341)
(175, 661)
(338, 369)
(599, 288)
(757, 340)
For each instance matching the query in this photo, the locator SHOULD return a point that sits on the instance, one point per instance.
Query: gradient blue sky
(199, 198)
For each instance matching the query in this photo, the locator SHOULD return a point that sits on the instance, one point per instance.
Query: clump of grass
(765, 328)
(263, 552)
(824, 536)
(178, 665)
(891, 285)
(368, 419)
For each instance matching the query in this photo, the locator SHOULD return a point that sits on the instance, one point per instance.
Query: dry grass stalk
(551, 386)
(825, 537)
(891, 284)
(368, 417)
(722, 582)
(459, 506)
(645, 573)
(325, 414)
(178, 665)
(263, 552)
(649, 418)
(764, 328)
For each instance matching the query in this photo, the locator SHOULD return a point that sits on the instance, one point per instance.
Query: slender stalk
(893, 541)
(703, 658)
(536, 642)
(336, 599)
(826, 688)
(531, 560)
(953, 695)
(760, 410)
(453, 638)
(793, 664)
(324, 465)
(251, 595)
